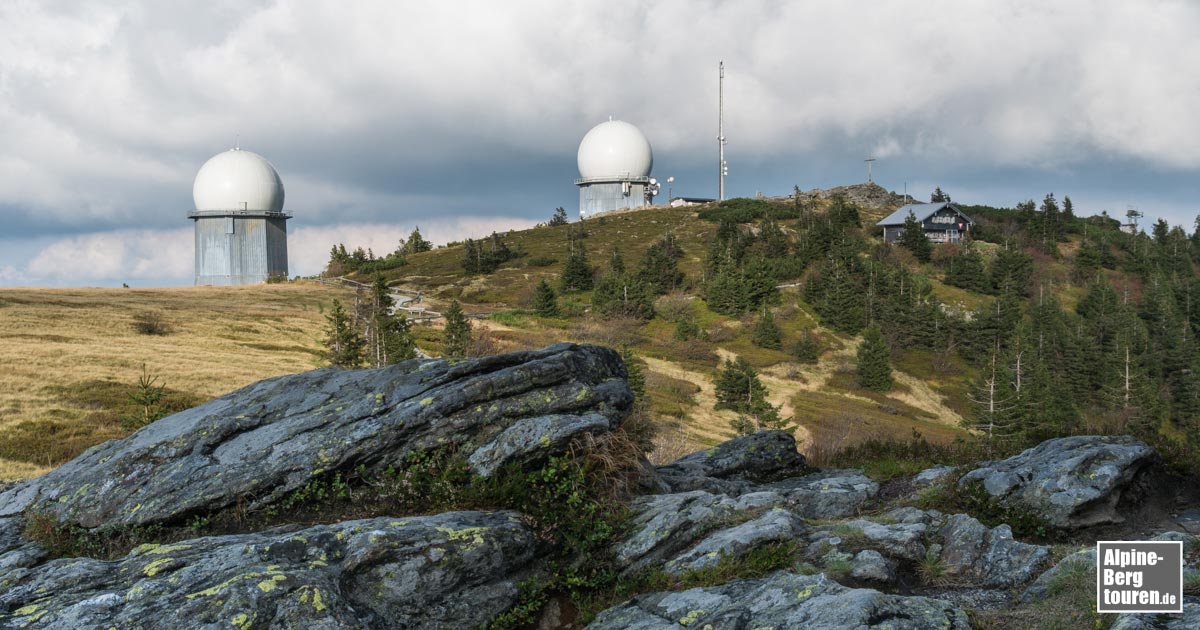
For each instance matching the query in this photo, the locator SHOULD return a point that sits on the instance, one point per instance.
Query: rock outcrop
(737, 465)
(781, 600)
(1071, 482)
(719, 506)
(263, 441)
(665, 525)
(452, 570)
(988, 557)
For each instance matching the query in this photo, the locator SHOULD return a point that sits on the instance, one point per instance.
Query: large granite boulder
(781, 600)
(662, 526)
(453, 570)
(734, 466)
(1072, 482)
(775, 526)
(265, 440)
(988, 557)
(1188, 620)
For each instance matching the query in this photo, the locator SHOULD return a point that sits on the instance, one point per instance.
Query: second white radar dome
(615, 150)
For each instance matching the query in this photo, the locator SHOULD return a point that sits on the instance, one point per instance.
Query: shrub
(541, 261)
(151, 323)
(746, 210)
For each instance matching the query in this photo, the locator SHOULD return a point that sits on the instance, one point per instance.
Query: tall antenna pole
(869, 162)
(721, 132)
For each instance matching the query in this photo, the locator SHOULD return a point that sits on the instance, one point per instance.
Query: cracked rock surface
(452, 570)
(267, 439)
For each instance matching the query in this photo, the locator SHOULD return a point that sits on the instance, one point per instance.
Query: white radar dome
(614, 149)
(238, 180)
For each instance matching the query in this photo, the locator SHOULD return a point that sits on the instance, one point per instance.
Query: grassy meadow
(72, 358)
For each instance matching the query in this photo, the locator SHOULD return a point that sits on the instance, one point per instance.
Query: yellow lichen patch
(25, 610)
(242, 621)
(692, 617)
(804, 594)
(153, 568)
(213, 590)
(33, 618)
(161, 549)
(315, 600)
(425, 402)
(469, 535)
(146, 548)
(268, 585)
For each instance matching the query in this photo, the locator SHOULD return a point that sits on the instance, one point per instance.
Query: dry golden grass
(72, 355)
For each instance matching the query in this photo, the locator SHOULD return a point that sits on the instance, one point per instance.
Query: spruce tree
(808, 348)
(344, 345)
(416, 243)
(559, 218)
(545, 302)
(577, 273)
(914, 240)
(634, 376)
(766, 332)
(471, 257)
(874, 361)
(659, 268)
(616, 263)
(739, 388)
(458, 332)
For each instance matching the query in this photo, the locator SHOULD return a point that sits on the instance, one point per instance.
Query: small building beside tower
(241, 227)
(614, 162)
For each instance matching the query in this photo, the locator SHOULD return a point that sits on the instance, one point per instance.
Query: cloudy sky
(464, 117)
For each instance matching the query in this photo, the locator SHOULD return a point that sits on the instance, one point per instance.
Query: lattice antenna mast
(722, 171)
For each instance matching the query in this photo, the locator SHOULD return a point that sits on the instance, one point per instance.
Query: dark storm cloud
(466, 115)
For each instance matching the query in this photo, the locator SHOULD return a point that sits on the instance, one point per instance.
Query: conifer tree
(739, 388)
(874, 361)
(808, 348)
(659, 269)
(545, 302)
(458, 332)
(416, 243)
(634, 376)
(472, 257)
(616, 263)
(994, 401)
(966, 271)
(559, 218)
(914, 240)
(344, 345)
(726, 292)
(577, 273)
(766, 332)
(387, 335)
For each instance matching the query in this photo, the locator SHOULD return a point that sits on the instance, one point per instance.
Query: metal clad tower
(241, 228)
(614, 169)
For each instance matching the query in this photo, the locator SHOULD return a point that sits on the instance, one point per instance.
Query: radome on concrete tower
(614, 160)
(241, 227)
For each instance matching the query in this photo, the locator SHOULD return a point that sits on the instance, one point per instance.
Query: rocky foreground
(853, 560)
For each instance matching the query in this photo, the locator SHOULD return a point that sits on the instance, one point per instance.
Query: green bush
(746, 210)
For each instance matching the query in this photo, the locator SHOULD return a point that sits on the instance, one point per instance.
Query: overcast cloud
(463, 117)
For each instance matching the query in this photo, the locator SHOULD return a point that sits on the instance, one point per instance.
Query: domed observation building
(614, 169)
(241, 228)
